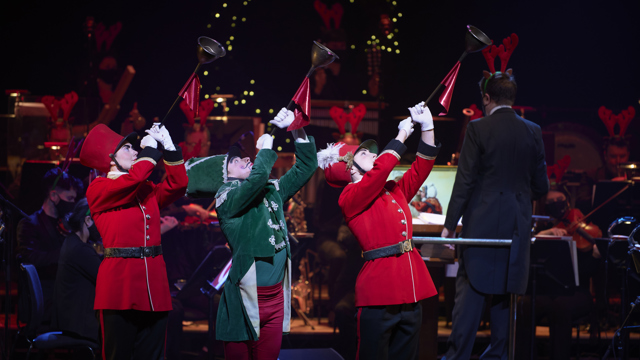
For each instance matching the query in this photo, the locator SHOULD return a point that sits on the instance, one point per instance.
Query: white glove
(283, 119)
(421, 115)
(264, 142)
(161, 134)
(406, 125)
(148, 141)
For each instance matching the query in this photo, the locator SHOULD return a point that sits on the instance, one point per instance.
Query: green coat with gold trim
(244, 209)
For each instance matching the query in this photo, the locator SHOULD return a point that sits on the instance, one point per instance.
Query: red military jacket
(126, 209)
(377, 212)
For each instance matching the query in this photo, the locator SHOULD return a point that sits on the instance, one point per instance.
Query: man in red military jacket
(132, 291)
(394, 278)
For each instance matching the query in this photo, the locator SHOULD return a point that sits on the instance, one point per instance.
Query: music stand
(198, 283)
(555, 258)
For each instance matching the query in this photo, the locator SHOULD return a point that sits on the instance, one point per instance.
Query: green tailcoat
(243, 209)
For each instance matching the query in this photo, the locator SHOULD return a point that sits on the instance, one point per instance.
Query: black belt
(399, 248)
(134, 252)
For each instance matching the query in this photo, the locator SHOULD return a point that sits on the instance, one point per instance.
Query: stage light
(236, 102)
(373, 37)
(257, 111)
(364, 92)
(208, 26)
(217, 88)
(217, 15)
(206, 96)
(219, 99)
(397, 51)
(353, 47)
(231, 37)
(270, 111)
(244, 101)
(250, 93)
(279, 148)
(252, 82)
(205, 73)
(383, 47)
(246, 92)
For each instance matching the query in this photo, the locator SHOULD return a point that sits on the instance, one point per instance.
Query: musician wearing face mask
(559, 304)
(40, 236)
(75, 286)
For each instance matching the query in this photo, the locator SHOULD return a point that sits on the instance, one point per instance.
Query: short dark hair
(501, 87)
(56, 178)
(616, 141)
(75, 219)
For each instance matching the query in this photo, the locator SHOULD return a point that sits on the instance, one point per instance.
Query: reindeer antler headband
(610, 120)
(503, 52)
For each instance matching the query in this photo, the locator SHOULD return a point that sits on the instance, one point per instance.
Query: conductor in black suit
(501, 169)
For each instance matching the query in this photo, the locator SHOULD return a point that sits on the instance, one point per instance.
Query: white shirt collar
(498, 108)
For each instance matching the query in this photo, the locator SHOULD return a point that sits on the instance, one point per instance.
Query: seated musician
(560, 305)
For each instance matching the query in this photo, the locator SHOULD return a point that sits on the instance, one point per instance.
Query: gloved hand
(264, 142)
(161, 134)
(283, 119)
(421, 115)
(406, 125)
(148, 141)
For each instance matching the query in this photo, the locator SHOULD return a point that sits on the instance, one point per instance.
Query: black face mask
(64, 208)
(557, 209)
(94, 235)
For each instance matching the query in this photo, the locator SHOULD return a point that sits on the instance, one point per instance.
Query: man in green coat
(255, 307)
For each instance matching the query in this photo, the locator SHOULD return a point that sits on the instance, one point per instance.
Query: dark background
(573, 56)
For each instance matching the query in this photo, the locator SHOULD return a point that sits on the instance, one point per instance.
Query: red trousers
(271, 306)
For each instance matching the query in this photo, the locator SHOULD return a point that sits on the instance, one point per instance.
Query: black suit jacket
(75, 289)
(501, 169)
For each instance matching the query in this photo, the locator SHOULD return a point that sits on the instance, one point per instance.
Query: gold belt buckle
(406, 246)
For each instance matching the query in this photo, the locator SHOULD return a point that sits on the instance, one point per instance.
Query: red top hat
(100, 145)
(337, 159)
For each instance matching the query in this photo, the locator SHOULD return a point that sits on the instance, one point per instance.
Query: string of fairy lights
(382, 41)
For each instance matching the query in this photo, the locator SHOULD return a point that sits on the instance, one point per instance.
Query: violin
(583, 233)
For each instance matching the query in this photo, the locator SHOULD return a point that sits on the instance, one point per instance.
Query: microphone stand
(621, 328)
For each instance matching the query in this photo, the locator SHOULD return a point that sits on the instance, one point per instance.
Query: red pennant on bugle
(302, 99)
(449, 82)
(191, 93)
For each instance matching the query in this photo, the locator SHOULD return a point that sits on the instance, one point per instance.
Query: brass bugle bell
(209, 50)
(475, 40)
(321, 56)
